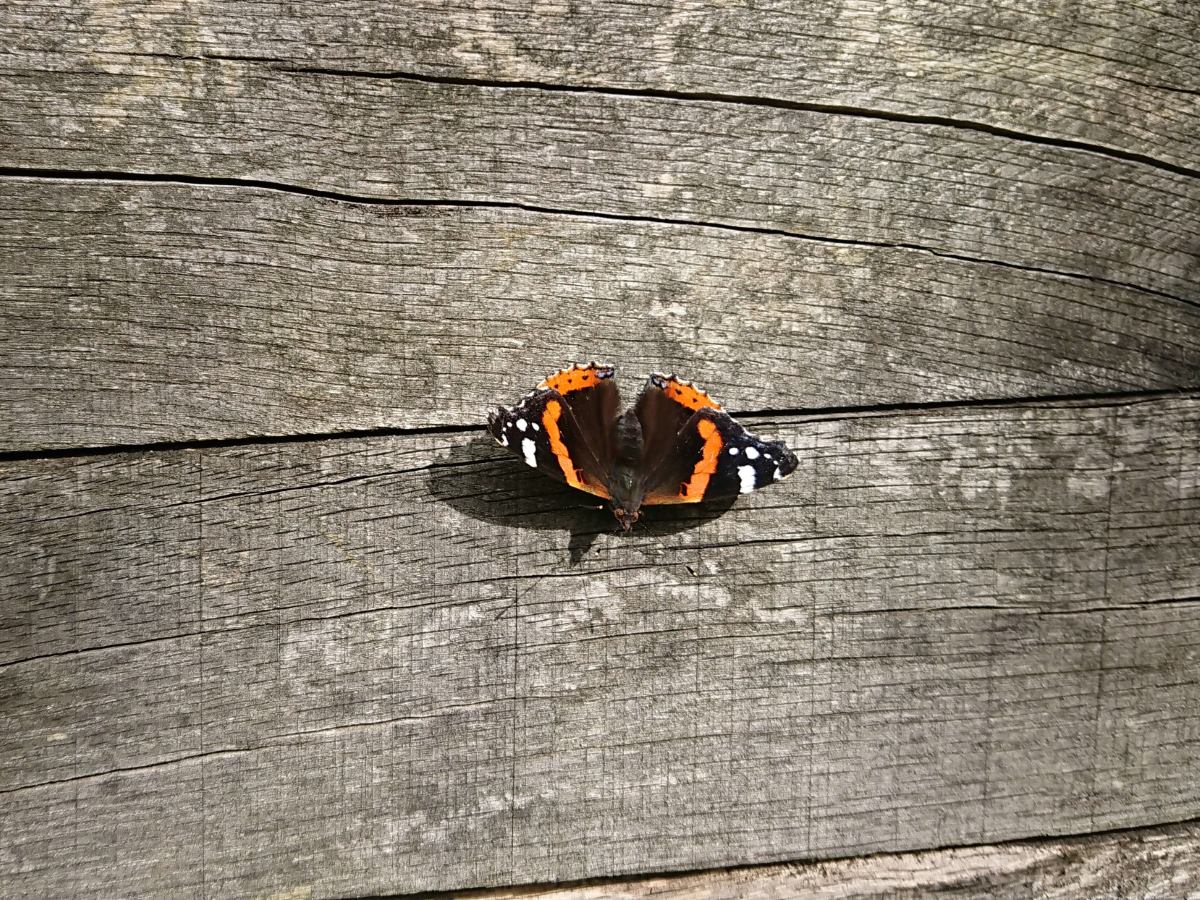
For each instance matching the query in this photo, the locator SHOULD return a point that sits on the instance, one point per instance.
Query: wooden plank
(377, 665)
(1149, 862)
(1118, 75)
(150, 312)
(835, 177)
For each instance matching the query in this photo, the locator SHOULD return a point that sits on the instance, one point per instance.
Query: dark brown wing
(664, 408)
(714, 456)
(543, 432)
(590, 391)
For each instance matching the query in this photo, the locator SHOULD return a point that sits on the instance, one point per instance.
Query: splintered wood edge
(1159, 861)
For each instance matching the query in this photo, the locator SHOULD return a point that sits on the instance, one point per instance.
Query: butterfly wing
(590, 391)
(709, 454)
(664, 408)
(546, 431)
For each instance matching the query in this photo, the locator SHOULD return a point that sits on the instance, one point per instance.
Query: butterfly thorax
(626, 482)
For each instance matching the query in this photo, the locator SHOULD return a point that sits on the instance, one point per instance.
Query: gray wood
(1117, 75)
(381, 664)
(1149, 863)
(830, 176)
(147, 312)
(371, 665)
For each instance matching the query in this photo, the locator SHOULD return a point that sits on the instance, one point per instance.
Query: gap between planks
(840, 876)
(1109, 398)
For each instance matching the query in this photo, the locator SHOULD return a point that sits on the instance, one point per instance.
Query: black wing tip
(662, 379)
(787, 461)
(495, 421)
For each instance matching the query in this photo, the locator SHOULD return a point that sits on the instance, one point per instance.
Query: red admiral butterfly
(675, 445)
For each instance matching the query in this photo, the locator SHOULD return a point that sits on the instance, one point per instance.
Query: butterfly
(674, 445)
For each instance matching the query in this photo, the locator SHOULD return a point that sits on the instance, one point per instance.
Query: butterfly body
(674, 445)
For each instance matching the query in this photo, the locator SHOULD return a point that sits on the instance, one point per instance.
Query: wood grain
(835, 177)
(136, 313)
(379, 665)
(398, 660)
(1150, 863)
(1123, 77)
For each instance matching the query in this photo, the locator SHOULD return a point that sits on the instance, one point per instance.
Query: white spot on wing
(777, 475)
(746, 475)
(733, 451)
(529, 450)
(536, 426)
(751, 453)
(503, 440)
(522, 424)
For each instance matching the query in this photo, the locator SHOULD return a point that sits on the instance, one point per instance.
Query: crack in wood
(783, 877)
(718, 97)
(276, 741)
(1113, 398)
(834, 109)
(107, 175)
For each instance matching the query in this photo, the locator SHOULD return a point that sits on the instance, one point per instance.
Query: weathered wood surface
(138, 313)
(380, 663)
(1123, 77)
(810, 173)
(401, 663)
(1147, 863)
(152, 312)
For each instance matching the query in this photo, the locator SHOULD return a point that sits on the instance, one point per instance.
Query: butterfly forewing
(544, 430)
(713, 456)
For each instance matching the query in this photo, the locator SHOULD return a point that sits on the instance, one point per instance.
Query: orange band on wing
(550, 422)
(692, 491)
(687, 395)
(577, 378)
